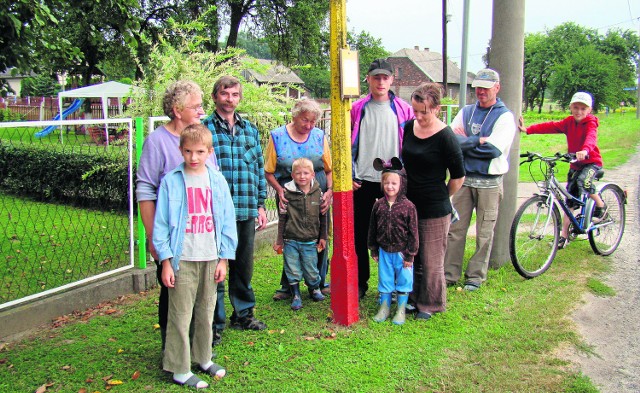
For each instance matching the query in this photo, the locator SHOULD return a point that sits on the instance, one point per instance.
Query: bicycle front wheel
(534, 236)
(605, 237)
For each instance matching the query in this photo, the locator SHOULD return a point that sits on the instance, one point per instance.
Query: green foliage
(296, 30)
(7, 114)
(570, 58)
(29, 30)
(169, 62)
(586, 69)
(41, 85)
(369, 48)
(317, 79)
(54, 175)
(254, 46)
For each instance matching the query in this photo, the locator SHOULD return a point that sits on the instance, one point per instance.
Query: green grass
(599, 288)
(500, 338)
(45, 245)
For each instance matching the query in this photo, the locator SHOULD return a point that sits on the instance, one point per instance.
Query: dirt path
(610, 326)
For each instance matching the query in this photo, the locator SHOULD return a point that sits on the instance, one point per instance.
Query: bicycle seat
(599, 174)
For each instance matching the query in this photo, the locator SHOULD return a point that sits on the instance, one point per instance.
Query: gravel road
(610, 326)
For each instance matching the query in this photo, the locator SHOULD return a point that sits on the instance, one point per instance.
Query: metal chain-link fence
(65, 205)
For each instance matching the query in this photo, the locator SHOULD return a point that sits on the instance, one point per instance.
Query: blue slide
(75, 105)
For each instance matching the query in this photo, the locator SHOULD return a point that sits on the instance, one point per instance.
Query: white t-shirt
(200, 235)
(378, 139)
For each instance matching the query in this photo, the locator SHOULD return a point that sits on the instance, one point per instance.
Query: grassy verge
(45, 245)
(501, 338)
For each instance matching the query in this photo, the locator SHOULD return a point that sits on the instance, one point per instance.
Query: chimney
(416, 47)
(426, 49)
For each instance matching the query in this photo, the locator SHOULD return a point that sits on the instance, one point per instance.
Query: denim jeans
(301, 260)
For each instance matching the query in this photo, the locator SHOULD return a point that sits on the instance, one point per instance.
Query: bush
(7, 114)
(74, 178)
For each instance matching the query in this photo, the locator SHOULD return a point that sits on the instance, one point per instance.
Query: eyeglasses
(195, 107)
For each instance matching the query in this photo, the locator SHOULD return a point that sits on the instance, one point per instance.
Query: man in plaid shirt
(237, 145)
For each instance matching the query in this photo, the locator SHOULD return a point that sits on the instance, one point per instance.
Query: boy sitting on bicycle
(581, 129)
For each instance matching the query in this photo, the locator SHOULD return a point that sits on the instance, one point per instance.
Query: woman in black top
(429, 149)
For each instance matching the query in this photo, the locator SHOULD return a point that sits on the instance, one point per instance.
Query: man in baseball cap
(486, 78)
(380, 66)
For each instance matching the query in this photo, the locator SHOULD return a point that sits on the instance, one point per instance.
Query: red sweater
(580, 136)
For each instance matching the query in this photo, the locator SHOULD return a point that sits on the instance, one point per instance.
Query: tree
(586, 69)
(169, 62)
(29, 28)
(369, 48)
(565, 50)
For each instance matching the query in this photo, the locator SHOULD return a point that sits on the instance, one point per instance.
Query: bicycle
(535, 230)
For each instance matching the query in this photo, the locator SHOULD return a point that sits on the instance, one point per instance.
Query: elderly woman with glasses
(300, 138)
(182, 103)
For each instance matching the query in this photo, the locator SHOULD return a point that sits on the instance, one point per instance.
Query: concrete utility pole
(507, 57)
(463, 64)
(344, 263)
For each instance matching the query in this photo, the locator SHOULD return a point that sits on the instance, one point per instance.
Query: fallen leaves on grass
(44, 388)
(135, 375)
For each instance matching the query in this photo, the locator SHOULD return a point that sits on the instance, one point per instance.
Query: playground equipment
(75, 105)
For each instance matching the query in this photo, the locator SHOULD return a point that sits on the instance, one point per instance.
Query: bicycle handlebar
(566, 157)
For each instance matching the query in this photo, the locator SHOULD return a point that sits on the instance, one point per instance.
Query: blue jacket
(172, 214)
(497, 124)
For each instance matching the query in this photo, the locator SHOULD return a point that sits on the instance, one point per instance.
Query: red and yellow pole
(344, 263)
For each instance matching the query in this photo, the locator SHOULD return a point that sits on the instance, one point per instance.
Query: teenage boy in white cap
(581, 129)
(485, 131)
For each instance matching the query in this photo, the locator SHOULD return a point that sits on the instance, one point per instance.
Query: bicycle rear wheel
(533, 240)
(606, 236)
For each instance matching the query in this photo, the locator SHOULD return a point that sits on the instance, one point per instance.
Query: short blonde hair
(302, 163)
(176, 95)
(306, 106)
(196, 133)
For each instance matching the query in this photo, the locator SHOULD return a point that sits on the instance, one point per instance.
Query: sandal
(215, 370)
(563, 242)
(193, 382)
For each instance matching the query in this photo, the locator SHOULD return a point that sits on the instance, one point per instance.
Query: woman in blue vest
(300, 138)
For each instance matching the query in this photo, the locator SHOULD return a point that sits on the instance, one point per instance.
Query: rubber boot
(383, 312)
(399, 318)
(296, 302)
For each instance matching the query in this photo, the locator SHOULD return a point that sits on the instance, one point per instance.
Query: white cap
(582, 97)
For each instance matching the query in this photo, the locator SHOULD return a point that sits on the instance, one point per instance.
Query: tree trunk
(239, 9)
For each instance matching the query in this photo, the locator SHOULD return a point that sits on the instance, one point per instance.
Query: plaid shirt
(241, 162)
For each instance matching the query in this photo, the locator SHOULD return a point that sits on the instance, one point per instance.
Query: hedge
(67, 177)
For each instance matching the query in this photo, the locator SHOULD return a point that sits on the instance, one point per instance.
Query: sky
(409, 23)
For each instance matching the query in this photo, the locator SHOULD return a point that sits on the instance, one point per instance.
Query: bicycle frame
(556, 193)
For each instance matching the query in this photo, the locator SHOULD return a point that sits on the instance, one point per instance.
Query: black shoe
(248, 323)
(217, 337)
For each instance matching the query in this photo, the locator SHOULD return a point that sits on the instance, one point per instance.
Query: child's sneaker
(563, 242)
(316, 295)
(600, 214)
